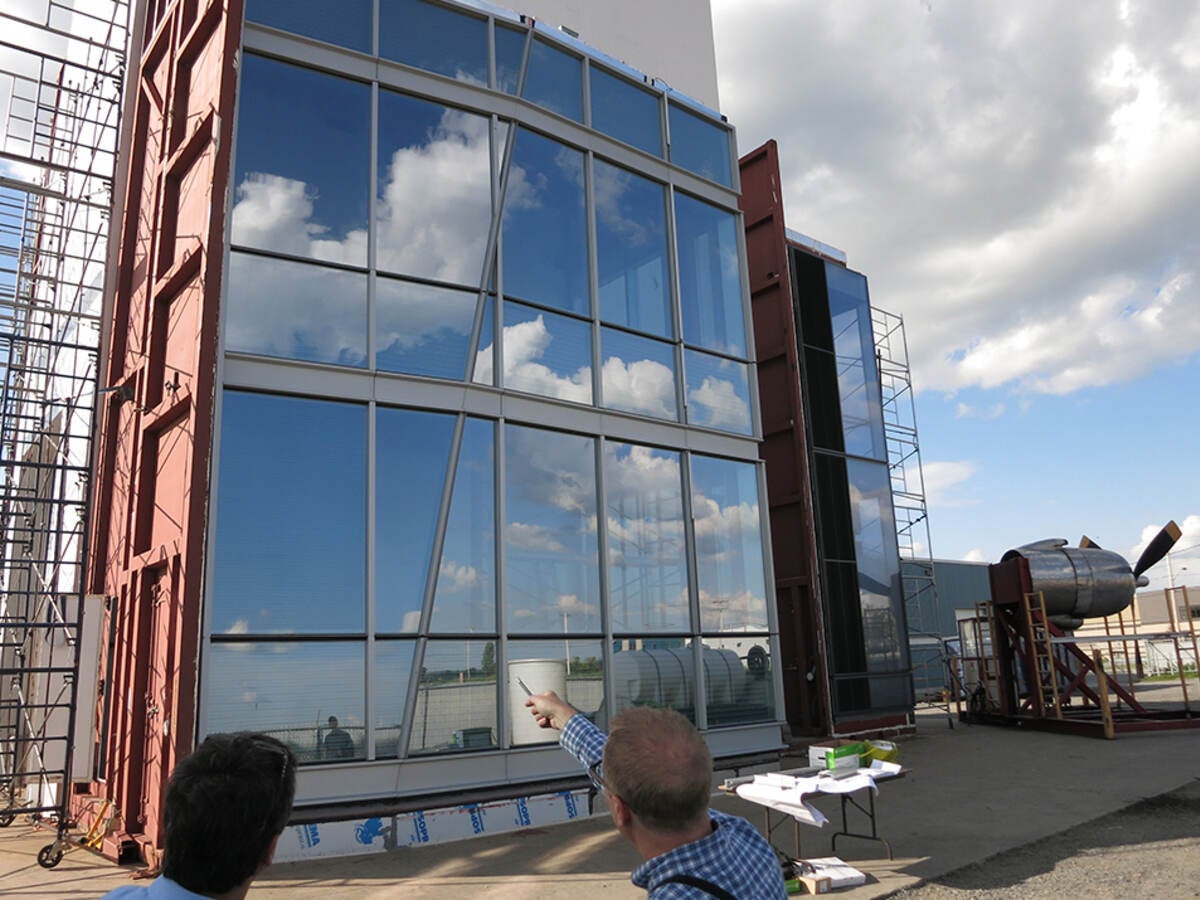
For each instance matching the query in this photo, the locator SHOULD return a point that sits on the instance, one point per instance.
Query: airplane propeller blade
(1158, 548)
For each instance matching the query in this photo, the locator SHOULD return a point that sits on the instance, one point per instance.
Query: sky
(1021, 182)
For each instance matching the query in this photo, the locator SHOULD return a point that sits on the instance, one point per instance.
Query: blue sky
(1019, 182)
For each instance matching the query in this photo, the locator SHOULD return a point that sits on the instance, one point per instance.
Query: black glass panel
(833, 498)
(811, 299)
(820, 371)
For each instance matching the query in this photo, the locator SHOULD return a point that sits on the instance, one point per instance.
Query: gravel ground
(1150, 849)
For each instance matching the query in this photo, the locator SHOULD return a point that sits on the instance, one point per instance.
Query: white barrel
(538, 675)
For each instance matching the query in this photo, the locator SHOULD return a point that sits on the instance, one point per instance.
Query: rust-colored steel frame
(148, 523)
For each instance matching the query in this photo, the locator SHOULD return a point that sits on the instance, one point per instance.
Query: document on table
(785, 799)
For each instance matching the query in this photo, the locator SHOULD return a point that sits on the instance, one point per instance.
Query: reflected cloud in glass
(434, 38)
(422, 330)
(301, 172)
(647, 564)
(545, 227)
(291, 516)
(465, 597)
(510, 50)
(718, 392)
(456, 698)
(729, 552)
(878, 560)
(288, 690)
(631, 250)
(710, 279)
(552, 558)
(412, 455)
(293, 310)
(555, 80)
(638, 374)
(434, 205)
(543, 354)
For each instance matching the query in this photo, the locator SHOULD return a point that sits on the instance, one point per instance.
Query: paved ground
(982, 810)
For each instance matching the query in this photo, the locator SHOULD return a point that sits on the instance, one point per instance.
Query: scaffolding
(61, 81)
(927, 645)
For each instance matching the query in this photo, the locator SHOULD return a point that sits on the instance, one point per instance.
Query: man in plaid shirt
(656, 773)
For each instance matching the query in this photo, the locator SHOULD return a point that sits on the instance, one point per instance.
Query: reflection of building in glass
(439, 337)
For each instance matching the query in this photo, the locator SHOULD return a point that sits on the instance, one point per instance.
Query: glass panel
(510, 49)
(638, 374)
(729, 555)
(631, 250)
(878, 565)
(347, 24)
(857, 377)
(545, 232)
(435, 39)
(710, 279)
(423, 330)
(826, 420)
(647, 568)
(700, 145)
(465, 598)
(552, 576)
(737, 677)
(412, 453)
(434, 206)
(290, 690)
(547, 354)
(456, 698)
(291, 516)
(844, 617)
(574, 669)
(483, 371)
(296, 311)
(718, 392)
(393, 668)
(301, 179)
(555, 80)
(653, 672)
(625, 111)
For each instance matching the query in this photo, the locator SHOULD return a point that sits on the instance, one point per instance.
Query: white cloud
(453, 576)
(976, 555)
(524, 536)
(945, 481)
(719, 405)
(642, 385)
(1038, 171)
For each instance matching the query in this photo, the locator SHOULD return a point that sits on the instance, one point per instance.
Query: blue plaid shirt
(734, 856)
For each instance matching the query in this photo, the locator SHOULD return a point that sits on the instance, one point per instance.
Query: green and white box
(839, 754)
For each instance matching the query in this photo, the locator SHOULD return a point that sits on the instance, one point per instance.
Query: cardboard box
(809, 884)
(839, 754)
(836, 872)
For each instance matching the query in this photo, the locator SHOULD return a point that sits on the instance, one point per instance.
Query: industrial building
(432, 366)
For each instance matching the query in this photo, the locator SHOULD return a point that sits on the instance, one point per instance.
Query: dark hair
(657, 762)
(225, 804)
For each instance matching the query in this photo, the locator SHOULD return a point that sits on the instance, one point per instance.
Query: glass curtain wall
(856, 527)
(492, 209)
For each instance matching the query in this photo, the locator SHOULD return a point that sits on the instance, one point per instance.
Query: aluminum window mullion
(593, 256)
(606, 651)
(369, 561)
(499, 620)
(699, 683)
(676, 304)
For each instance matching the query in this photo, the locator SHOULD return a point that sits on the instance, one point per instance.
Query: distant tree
(488, 665)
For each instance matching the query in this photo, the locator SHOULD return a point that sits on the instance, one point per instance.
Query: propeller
(1158, 548)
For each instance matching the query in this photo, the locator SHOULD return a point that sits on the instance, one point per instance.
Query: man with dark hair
(225, 808)
(337, 744)
(656, 773)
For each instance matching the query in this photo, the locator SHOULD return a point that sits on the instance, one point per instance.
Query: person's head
(657, 765)
(225, 808)
(333, 721)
